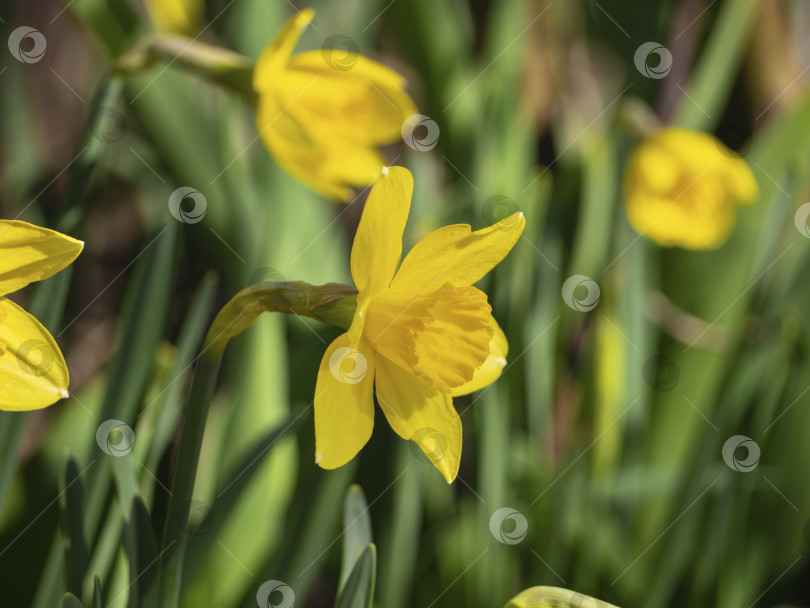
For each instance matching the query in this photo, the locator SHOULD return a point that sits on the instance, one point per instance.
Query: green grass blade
(358, 592)
(356, 531)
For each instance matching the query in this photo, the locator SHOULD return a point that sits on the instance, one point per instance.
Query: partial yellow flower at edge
(176, 16)
(322, 114)
(421, 333)
(33, 373)
(682, 189)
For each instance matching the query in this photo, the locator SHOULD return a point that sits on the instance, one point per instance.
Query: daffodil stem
(331, 303)
(218, 64)
(175, 534)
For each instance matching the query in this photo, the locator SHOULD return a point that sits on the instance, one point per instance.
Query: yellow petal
(740, 181)
(366, 103)
(177, 16)
(422, 414)
(492, 367)
(344, 402)
(441, 336)
(276, 55)
(456, 255)
(290, 144)
(33, 373)
(29, 253)
(377, 246)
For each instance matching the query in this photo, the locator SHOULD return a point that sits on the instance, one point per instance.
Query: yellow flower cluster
(421, 333)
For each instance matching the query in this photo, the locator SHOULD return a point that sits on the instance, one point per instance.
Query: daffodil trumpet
(33, 372)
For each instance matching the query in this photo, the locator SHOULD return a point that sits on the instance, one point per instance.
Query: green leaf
(141, 547)
(554, 597)
(356, 531)
(72, 506)
(333, 303)
(359, 589)
(71, 601)
(96, 592)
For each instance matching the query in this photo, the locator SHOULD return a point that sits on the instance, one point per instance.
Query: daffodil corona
(422, 334)
(322, 114)
(682, 189)
(33, 373)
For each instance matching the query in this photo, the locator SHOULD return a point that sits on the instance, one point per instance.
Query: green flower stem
(220, 65)
(331, 303)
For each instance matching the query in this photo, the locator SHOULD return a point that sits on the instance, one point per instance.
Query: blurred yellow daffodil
(322, 114)
(422, 333)
(33, 373)
(682, 188)
(176, 16)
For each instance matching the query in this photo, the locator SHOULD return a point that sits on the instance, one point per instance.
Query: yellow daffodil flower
(176, 16)
(422, 334)
(682, 188)
(322, 114)
(33, 373)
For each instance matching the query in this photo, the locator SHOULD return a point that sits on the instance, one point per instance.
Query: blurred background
(610, 438)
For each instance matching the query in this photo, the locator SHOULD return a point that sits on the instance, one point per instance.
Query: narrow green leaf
(96, 592)
(71, 601)
(238, 481)
(356, 531)
(72, 507)
(359, 589)
(141, 547)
